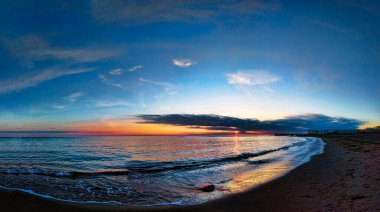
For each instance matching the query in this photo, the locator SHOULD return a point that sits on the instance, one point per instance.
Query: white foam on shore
(108, 203)
(63, 200)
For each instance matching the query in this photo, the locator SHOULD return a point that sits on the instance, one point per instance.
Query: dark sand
(345, 178)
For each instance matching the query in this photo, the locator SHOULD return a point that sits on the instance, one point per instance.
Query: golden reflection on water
(167, 147)
(258, 176)
(236, 145)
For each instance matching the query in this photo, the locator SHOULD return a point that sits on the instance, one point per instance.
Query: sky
(155, 66)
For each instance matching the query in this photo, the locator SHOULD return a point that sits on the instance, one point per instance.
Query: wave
(152, 166)
(60, 173)
(33, 172)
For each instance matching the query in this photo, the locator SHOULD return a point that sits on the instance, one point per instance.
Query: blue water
(151, 170)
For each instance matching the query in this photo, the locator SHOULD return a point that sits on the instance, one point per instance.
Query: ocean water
(151, 170)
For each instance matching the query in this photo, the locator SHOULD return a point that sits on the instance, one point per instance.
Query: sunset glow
(227, 62)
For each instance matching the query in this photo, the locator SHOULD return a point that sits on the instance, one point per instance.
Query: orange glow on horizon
(123, 127)
(133, 127)
(126, 127)
(369, 125)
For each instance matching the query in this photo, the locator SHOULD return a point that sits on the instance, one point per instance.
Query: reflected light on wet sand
(258, 176)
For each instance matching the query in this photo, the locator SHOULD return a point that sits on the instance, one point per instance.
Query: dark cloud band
(292, 123)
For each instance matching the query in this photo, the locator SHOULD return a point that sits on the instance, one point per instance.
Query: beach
(345, 177)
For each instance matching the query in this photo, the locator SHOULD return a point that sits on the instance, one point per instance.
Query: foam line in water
(153, 166)
(34, 172)
(63, 200)
(60, 173)
(88, 201)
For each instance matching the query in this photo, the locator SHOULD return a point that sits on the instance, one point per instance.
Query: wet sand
(346, 177)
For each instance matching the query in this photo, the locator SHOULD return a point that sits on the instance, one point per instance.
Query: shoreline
(345, 177)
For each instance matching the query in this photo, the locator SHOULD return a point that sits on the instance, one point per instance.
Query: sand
(346, 177)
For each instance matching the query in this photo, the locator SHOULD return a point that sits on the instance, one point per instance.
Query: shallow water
(151, 170)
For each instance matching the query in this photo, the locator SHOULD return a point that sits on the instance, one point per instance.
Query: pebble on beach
(208, 188)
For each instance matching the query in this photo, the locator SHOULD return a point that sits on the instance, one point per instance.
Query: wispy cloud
(170, 11)
(169, 88)
(57, 106)
(112, 104)
(74, 96)
(183, 63)
(64, 103)
(108, 82)
(291, 123)
(30, 80)
(331, 26)
(77, 55)
(118, 71)
(251, 78)
(135, 68)
(29, 49)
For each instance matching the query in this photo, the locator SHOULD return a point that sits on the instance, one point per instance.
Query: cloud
(77, 55)
(31, 80)
(29, 49)
(57, 106)
(74, 97)
(251, 78)
(183, 63)
(298, 123)
(329, 25)
(136, 12)
(169, 88)
(118, 71)
(108, 82)
(135, 68)
(111, 104)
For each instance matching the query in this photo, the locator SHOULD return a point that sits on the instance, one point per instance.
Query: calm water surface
(147, 170)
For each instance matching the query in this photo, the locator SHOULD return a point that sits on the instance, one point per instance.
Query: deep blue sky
(68, 63)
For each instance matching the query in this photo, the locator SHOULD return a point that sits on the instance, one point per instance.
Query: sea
(148, 170)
